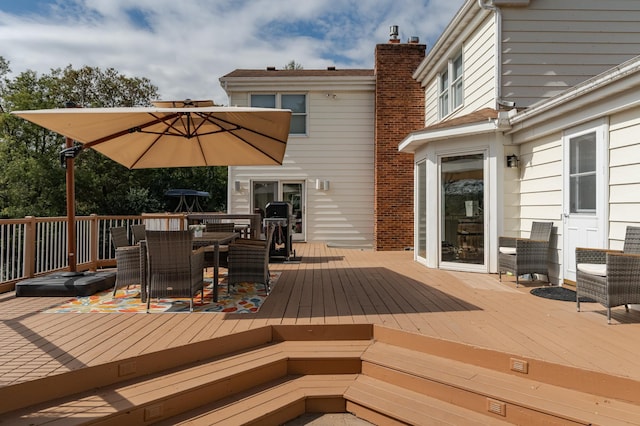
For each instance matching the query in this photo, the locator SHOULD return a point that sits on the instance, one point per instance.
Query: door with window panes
(264, 192)
(584, 195)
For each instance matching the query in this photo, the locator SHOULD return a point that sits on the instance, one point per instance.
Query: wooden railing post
(29, 246)
(93, 242)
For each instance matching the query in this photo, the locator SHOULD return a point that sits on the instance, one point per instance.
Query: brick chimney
(399, 110)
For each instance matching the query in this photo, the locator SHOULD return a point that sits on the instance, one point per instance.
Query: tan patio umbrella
(169, 134)
(174, 134)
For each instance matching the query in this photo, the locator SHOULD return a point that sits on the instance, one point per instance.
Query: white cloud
(185, 46)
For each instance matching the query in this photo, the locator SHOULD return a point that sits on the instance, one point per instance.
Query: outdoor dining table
(214, 239)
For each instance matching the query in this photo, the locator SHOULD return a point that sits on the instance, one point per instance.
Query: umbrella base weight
(63, 284)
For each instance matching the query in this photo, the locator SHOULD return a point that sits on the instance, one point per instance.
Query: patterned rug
(244, 298)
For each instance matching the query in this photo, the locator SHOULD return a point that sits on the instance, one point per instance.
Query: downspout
(498, 48)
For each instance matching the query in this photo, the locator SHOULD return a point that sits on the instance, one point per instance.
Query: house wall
(624, 171)
(338, 148)
(552, 45)
(541, 199)
(478, 53)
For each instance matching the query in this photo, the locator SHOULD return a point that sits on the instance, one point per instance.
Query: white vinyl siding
(624, 170)
(339, 147)
(541, 192)
(552, 45)
(478, 78)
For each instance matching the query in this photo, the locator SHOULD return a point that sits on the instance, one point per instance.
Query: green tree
(32, 181)
(293, 65)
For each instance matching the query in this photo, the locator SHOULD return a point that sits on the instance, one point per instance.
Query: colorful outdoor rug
(244, 298)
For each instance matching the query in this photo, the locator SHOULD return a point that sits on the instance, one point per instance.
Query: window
(297, 103)
(450, 89)
(582, 174)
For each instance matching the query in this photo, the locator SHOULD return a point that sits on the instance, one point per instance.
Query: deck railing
(36, 246)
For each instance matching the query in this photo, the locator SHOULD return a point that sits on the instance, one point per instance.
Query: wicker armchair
(127, 259)
(249, 261)
(223, 249)
(170, 266)
(526, 255)
(610, 277)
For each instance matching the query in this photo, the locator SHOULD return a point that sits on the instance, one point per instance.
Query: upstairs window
(450, 88)
(297, 103)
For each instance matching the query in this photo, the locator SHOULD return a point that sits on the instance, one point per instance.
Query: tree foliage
(293, 65)
(32, 181)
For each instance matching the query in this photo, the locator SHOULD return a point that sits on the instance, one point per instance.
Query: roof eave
(423, 137)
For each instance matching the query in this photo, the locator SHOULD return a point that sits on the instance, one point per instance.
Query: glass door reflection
(462, 205)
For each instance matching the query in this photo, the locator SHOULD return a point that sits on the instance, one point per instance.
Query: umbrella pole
(71, 210)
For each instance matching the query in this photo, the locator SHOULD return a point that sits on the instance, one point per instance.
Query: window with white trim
(296, 102)
(450, 87)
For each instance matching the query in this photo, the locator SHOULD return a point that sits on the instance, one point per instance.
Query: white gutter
(497, 48)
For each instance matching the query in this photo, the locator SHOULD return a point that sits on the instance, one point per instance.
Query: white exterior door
(585, 183)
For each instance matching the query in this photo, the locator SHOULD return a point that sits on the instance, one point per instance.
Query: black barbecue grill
(280, 215)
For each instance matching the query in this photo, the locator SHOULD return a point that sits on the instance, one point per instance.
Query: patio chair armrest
(623, 279)
(524, 245)
(507, 241)
(593, 255)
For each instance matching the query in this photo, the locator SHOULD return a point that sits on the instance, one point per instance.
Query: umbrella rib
(234, 126)
(134, 129)
(214, 120)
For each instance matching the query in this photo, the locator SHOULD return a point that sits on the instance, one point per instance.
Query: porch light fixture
(322, 185)
(237, 185)
(512, 161)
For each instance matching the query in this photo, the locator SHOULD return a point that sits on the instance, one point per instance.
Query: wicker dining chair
(610, 277)
(526, 255)
(138, 232)
(127, 259)
(223, 249)
(249, 261)
(171, 267)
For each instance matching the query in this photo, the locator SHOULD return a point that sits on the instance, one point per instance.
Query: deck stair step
(155, 397)
(381, 403)
(274, 403)
(511, 397)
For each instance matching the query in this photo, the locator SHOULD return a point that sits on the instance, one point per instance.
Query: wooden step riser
(63, 385)
(479, 403)
(300, 407)
(84, 379)
(587, 381)
(176, 404)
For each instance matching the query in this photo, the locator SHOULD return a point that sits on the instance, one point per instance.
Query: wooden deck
(336, 286)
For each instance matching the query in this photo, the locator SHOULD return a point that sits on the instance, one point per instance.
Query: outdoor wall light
(236, 185)
(512, 161)
(322, 185)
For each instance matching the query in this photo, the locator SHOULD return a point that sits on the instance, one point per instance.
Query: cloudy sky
(185, 46)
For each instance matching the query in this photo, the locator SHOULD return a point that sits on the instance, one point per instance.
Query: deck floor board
(336, 286)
